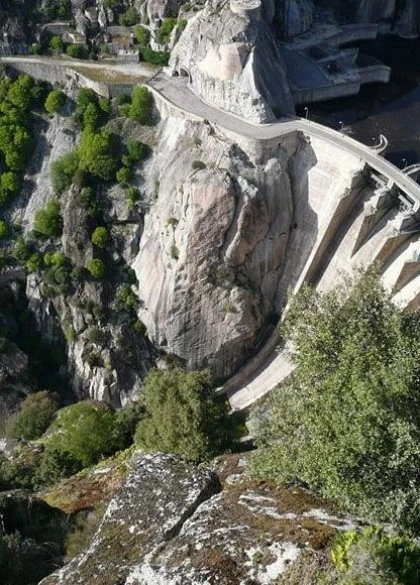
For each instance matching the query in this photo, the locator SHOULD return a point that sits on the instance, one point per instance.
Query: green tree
(10, 181)
(86, 431)
(4, 229)
(96, 267)
(85, 96)
(184, 416)
(98, 155)
(141, 105)
(142, 35)
(100, 237)
(163, 33)
(348, 424)
(63, 171)
(129, 17)
(48, 222)
(136, 151)
(33, 417)
(56, 44)
(19, 94)
(91, 118)
(76, 51)
(125, 176)
(55, 101)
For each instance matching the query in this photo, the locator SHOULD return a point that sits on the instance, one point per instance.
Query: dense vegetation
(347, 425)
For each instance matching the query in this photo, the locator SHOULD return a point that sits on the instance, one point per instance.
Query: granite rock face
(233, 60)
(171, 524)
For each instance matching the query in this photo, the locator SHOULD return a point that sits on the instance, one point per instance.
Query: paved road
(176, 91)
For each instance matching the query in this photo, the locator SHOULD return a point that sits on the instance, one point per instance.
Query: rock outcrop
(171, 524)
(230, 53)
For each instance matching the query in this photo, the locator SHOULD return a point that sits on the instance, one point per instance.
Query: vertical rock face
(213, 242)
(229, 53)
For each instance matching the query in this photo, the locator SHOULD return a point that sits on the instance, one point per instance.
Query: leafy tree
(34, 262)
(184, 416)
(19, 94)
(348, 424)
(129, 17)
(163, 33)
(63, 171)
(98, 155)
(141, 105)
(55, 101)
(56, 44)
(10, 181)
(136, 151)
(54, 464)
(154, 57)
(125, 176)
(91, 118)
(48, 222)
(100, 237)
(86, 431)
(142, 35)
(85, 97)
(76, 51)
(4, 229)
(33, 417)
(96, 267)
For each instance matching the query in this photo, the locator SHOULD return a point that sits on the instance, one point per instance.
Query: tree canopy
(348, 424)
(184, 416)
(33, 417)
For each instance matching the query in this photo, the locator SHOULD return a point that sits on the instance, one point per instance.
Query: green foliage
(55, 101)
(96, 268)
(141, 105)
(33, 417)
(55, 464)
(63, 171)
(184, 416)
(154, 57)
(4, 229)
(105, 105)
(348, 424)
(131, 196)
(163, 34)
(85, 96)
(76, 51)
(88, 200)
(86, 431)
(34, 262)
(174, 252)
(373, 557)
(98, 155)
(48, 222)
(129, 17)
(124, 176)
(182, 24)
(100, 237)
(56, 44)
(142, 35)
(198, 165)
(126, 297)
(91, 118)
(136, 151)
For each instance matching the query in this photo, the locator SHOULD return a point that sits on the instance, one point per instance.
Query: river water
(391, 109)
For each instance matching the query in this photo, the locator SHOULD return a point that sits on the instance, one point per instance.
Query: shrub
(123, 98)
(96, 268)
(129, 17)
(10, 181)
(184, 416)
(86, 431)
(348, 424)
(131, 196)
(48, 222)
(142, 35)
(126, 297)
(63, 171)
(125, 176)
(163, 34)
(141, 105)
(100, 237)
(55, 101)
(97, 154)
(33, 417)
(34, 262)
(182, 24)
(198, 165)
(85, 96)
(174, 252)
(4, 229)
(76, 51)
(91, 118)
(56, 44)
(88, 200)
(154, 57)
(137, 151)
(55, 464)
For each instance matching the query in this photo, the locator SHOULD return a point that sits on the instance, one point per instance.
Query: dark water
(392, 109)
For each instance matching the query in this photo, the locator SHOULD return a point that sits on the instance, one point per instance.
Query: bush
(184, 416)
(154, 57)
(33, 417)
(163, 34)
(141, 105)
(174, 252)
(182, 24)
(48, 222)
(129, 17)
(124, 176)
(56, 44)
(137, 151)
(91, 118)
(131, 196)
(4, 229)
(34, 262)
(55, 101)
(63, 171)
(98, 155)
(86, 431)
(348, 424)
(96, 268)
(100, 237)
(55, 464)
(142, 35)
(198, 165)
(85, 96)
(76, 51)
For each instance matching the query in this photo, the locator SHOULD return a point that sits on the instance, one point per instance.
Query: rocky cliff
(175, 525)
